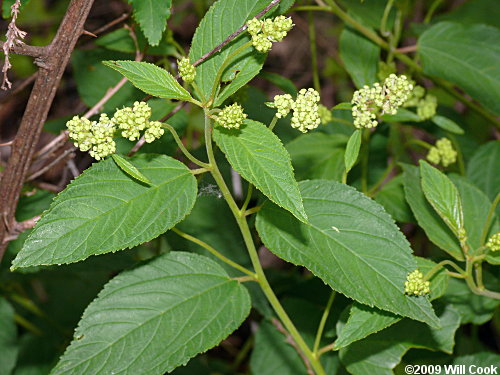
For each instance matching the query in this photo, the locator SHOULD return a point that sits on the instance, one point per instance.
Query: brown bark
(52, 61)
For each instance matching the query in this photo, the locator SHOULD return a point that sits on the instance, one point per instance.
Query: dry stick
(60, 157)
(291, 341)
(110, 24)
(52, 61)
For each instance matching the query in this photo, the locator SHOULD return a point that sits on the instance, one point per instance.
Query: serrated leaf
(484, 360)
(447, 124)
(426, 216)
(130, 169)
(8, 338)
(360, 57)
(364, 320)
(152, 16)
(381, 352)
(279, 81)
(156, 317)
(352, 150)
(151, 79)
(258, 155)
(221, 20)
(476, 207)
(318, 156)
(341, 245)
(467, 56)
(104, 210)
(484, 170)
(443, 196)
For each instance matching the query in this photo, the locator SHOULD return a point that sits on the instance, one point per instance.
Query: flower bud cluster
(442, 153)
(133, 120)
(283, 105)
(186, 70)
(93, 136)
(426, 108)
(494, 242)
(264, 33)
(231, 117)
(97, 136)
(415, 285)
(306, 110)
(387, 98)
(325, 114)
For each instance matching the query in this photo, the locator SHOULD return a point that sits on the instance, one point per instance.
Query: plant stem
(247, 199)
(212, 251)
(491, 214)
(273, 123)
(431, 10)
(184, 150)
(322, 323)
(252, 251)
(314, 52)
(364, 161)
(387, 171)
(436, 268)
(383, 22)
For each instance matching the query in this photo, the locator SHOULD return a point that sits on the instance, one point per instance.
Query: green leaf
(221, 20)
(466, 56)
(352, 150)
(483, 168)
(341, 245)
(443, 196)
(403, 115)
(447, 124)
(426, 216)
(8, 338)
(369, 13)
(279, 81)
(122, 41)
(484, 360)
(152, 16)
(156, 317)
(151, 79)
(392, 197)
(364, 320)
(258, 155)
(318, 155)
(476, 206)
(104, 210)
(360, 57)
(130, 169)
(380, 353)
(472, 308)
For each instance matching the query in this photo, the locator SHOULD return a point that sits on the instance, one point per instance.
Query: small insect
(336, 229)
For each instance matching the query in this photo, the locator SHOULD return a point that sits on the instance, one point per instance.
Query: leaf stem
(436, 268)
(252, 251)
(322, 323)
(489, 219)
(184, 150)
(383, 22)
(364, 161)
(212, 251)
(273, 123)
(247, 199)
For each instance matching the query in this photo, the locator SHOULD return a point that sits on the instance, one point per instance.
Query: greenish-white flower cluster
(231, 117)
(97, 136)
(387, 98)
(264, 33)
(93, 136)
(415, 285)
(325, 114)
(494, 242)
(426, 104)
(442, 153)
(187, 71)
(133, 120)
(305, 109)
